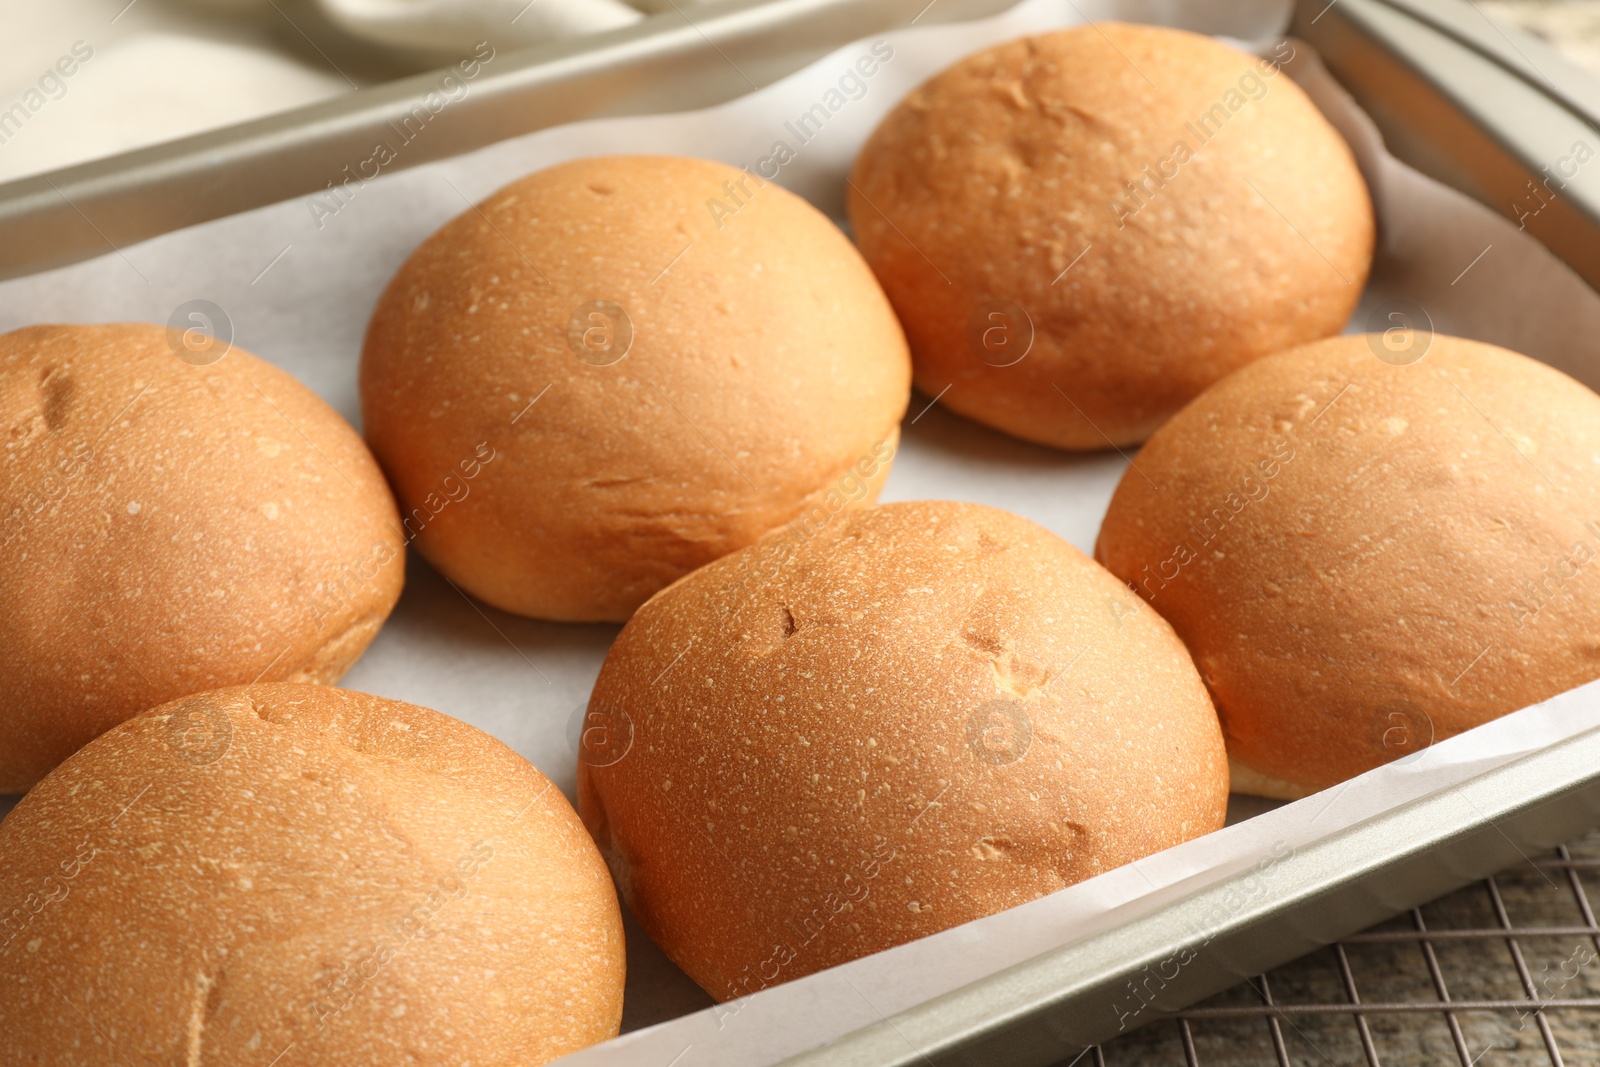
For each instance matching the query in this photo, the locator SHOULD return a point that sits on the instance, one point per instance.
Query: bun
(662, 359)
(920, 715)
(172, 528)
(1082, 230)
(273, 866)
(1366, 557)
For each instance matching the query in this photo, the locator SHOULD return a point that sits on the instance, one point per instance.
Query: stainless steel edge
(1519, 51)
(1050, 1008)
(1481, 107)
(667, 62)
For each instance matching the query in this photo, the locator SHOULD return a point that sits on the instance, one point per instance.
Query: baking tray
(1480, 108)
(666, 62)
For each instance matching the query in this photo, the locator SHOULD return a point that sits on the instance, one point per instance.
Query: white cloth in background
(155, 70)
(452, 26)
(144, 89)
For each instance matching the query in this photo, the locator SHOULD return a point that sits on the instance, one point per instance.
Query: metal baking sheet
(667, 62)
(1055, 1005)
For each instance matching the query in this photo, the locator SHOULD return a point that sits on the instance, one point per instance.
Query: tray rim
(668, 61)
(1037, 1011)
(1017, 1011)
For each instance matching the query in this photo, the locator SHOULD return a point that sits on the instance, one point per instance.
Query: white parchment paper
(298, 280)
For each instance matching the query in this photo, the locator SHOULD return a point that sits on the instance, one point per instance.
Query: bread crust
(922, 714)
(170, 529)
(273, 866)
(765, 365)
(1160, 207)
(1365, 558)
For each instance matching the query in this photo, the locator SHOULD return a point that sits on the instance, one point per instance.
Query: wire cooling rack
(1504, 973)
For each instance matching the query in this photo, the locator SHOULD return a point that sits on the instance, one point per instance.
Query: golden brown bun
(985, 185)
(170, 528)
(765, 365)
(920, 715)
(283, 866)
(1367, 557)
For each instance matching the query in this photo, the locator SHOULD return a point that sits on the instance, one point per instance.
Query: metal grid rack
(1503, 973)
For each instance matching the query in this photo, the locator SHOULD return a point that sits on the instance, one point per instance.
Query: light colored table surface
(157, 70)
(82, 79)
(1571, 26)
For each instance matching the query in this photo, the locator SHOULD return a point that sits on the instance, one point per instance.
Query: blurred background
(81, 79)
(1571, 26)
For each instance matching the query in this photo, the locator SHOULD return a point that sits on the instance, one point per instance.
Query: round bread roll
(665, 358)
(922, 714)
(273, 867)
(1367, 556)
(172, 527)
(1083, 229)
